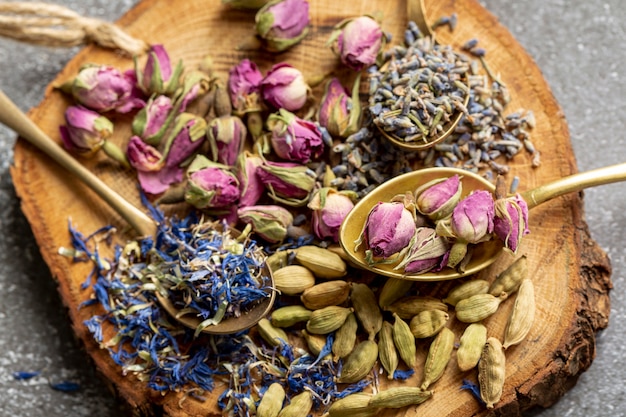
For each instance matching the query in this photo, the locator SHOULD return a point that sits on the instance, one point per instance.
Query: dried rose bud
(428, 252)
(226, 135)
(250, 184)
(511, 220)
(244, 84)
(182, 143)
(284, 87)
(151, 122)
(195, 84)
(388, 229)
(210, 185)
(329, 208)
(472, 218)
(103, 88)
(185, 139)
(287, 183)
(269, 222)
(143, 157)
(293, 138)
(85, 130)
(339, 112)
(436, 199)
(471, 222)
(157, 76)
(357, 41)
(282, 23)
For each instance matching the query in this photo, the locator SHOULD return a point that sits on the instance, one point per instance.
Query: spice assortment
(332, 333)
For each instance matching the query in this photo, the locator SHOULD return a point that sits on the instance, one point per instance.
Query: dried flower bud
(472, 218)
(339, 112)
(85, 130)
(288, 183)
(103, 88)
(143, 157)
(185, 139)
(388, 229)
(226, 135)
(284, 87)
(269, 222)
(329, 208)
(151, 122)
(293, 138)
(195, 84)
(358, 41)
(157, 76)
(428, 252)
(282, 23)
(210, 185)
(511, 220)
(436, 199)
(250, 184)
(244, 84)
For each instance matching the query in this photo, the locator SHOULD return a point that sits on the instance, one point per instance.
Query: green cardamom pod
(428, 323)
(345, 338)
(366, 308)
(439, 354)
(359, 363)
(387, 353)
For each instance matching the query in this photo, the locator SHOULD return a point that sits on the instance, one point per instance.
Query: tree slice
(570, 273)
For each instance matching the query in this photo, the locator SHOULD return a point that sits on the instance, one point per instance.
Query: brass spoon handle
(12, 117)
(573, 183)
(415, 12)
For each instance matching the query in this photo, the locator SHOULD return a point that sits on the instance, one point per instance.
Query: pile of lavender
(258, 151)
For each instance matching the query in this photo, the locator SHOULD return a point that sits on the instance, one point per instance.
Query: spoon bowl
(12, 117)
(484, 254)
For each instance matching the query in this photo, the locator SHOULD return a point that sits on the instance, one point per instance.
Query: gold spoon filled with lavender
(419, 94)
(438, 224)
(215, 240)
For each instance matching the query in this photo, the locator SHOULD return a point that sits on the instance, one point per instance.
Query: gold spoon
(415, 13)
(484, 253)
(12, 117)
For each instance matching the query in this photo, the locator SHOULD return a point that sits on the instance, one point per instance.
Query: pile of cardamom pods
(378, 331)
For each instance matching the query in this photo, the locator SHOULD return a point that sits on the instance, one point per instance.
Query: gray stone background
(578, 44)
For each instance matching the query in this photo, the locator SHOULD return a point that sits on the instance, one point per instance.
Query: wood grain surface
(570, 273)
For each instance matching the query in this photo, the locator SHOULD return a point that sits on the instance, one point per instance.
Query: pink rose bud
(358, 42)
(269, 222)
(295, 139)
(472, 218)
(157, 76)
(329, 208)
(227, 136)
(250, 185)
(287, 183)
(85, 130)
(339, 112)
(195, 84)
(388, 229)
(284, 87)
(103, 88)
(428, 252)
(210, 185)
(511, 220)
(142, 156)
(436, 199)
(182, 143)
(282, 23)
(185, 139)
(151, 122)
(244, 84)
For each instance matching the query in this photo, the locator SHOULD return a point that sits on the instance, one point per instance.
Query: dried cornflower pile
(254, 152)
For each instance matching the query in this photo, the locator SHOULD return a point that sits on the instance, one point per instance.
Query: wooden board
(571, 274)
